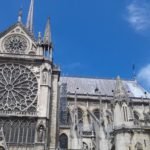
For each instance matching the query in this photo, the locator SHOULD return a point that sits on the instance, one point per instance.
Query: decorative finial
(20, 15)
(29, 24)
(119, 89)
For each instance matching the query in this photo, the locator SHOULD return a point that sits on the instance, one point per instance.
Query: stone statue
(44, 77)
(41, 133)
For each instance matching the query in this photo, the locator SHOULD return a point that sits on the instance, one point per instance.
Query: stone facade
(105, 114)
(29, 87)
(39, 110)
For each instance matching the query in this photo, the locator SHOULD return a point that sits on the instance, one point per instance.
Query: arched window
(19, 131)
(138, 146)
(7, 129)
(96, 113)
(63, 141)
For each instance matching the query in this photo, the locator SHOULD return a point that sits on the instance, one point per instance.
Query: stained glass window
(63, 141)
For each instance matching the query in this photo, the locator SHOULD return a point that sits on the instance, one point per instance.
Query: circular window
(18, 87)
(15, 44)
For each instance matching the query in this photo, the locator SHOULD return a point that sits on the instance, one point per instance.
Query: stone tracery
(18, 88)
(16, 44)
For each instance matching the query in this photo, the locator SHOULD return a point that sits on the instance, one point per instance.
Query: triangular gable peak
(17, 40)
(120, 92)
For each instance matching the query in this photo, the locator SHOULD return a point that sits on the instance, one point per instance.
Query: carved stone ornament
(41, 133)
(15, 44)
(45, 76)
(18, 88)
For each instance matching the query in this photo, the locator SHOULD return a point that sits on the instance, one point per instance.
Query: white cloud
(138, 14)
(144, 76)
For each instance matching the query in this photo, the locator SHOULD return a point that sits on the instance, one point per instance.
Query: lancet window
(18, 131)
(63, 141)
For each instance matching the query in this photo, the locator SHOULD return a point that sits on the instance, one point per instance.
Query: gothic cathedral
(28, 88)
(41, 110)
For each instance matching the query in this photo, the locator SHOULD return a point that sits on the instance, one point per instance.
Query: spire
(20, 15)
(119, 91)
(47, 35)
(29, 24)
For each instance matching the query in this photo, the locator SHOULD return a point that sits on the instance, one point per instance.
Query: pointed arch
(63, 141)
(139, 146)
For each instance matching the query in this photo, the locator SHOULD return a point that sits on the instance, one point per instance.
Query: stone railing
(20, 114)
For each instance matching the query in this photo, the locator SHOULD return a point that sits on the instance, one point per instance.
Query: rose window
(16, 44)
(18, 88)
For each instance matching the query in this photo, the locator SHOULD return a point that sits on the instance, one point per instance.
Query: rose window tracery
(15, 44)
(18, 88)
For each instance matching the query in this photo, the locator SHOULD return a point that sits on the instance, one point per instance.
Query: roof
(105, 86)
(15, 25)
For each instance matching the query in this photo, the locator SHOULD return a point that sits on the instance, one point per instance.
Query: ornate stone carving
(15, 44)
(41, 133)
(18, 88)
(44, 76)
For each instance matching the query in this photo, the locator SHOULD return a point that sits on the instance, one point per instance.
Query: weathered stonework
(115, 117)
(39, 110)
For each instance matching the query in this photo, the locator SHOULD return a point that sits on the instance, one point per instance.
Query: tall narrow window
(19, 131)
(96, 113)
(63, 141)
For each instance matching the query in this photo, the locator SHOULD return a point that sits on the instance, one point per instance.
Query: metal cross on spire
(29, 23)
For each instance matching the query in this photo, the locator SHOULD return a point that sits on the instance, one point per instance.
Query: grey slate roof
(105, 86)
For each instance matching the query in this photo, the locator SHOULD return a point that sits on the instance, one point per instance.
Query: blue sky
(92, 38)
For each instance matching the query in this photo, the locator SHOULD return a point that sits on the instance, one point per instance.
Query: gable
(17, 40)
